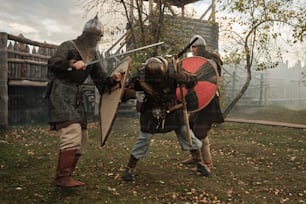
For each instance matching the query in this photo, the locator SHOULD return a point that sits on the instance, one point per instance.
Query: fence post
(3, 81)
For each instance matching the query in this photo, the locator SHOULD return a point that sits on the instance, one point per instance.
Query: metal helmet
(94, 26)
(155, 68)
(199, 41)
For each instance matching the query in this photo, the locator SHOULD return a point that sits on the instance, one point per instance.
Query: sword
(120, 54)
(127, 52)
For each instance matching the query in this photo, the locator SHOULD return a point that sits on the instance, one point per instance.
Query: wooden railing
(23, 79)
(27, 60)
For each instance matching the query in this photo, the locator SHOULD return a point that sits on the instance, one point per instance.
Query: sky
(42, 20)
(55, 21)
(51, 21)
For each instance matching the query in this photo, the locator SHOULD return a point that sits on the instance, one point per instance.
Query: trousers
(73, 137)
(141, 146)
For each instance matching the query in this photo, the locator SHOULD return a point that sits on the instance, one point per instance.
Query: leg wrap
(196, 155)
(205, 149)
(132, 162)
(127, 173)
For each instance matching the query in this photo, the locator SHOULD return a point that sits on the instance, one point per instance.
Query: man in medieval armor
(67, 71)
(155, 87)
(201, 122)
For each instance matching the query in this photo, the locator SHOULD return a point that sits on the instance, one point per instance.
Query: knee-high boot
(75, 161)
(127, 174)
(64, 170)
(201, 166)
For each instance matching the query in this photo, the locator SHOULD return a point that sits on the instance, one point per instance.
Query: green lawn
(253, 164)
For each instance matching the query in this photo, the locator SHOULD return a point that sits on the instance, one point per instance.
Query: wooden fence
(23, 65)
(282, 86)
(23, 79)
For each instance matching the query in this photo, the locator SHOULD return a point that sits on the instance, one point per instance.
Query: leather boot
(201, 167)
(127, 173)
(64, 169)
(205, 149)
(75, 161)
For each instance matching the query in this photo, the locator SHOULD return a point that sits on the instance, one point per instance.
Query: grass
(253, 164)
(270, 113)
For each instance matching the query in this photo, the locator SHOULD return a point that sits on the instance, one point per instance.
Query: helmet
(155, 68)
(94, 26)
(199, 41)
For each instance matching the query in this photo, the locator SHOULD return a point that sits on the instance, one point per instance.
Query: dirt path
(263, 122)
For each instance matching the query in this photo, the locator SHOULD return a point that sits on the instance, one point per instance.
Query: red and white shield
(204, 91)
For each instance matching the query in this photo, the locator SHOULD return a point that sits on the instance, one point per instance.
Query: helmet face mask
(198, 50)
(94, 37)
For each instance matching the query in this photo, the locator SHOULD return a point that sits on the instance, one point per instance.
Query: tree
(252, 24)
(144, 22)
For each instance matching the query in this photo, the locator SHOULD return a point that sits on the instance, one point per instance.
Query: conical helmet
(155, 68)
(94, 26)
(199, 41)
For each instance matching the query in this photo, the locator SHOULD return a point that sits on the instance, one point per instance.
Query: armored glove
(186, 78)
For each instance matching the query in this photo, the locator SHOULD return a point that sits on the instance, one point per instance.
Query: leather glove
(128, 94)
(181, 78)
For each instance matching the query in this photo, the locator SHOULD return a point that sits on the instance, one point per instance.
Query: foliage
(253, 26)
(253, 164)
(145, 24)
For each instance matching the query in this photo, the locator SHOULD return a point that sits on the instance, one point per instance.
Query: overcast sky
(53, 21)
(42, 20)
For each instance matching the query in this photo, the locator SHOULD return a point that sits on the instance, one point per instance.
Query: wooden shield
(204, 91)
(110, 101)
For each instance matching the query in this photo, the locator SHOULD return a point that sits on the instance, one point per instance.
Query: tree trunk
(241, 93)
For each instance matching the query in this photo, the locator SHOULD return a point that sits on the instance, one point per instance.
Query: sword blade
(127, 52)
(92, 62)
(137, 49)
